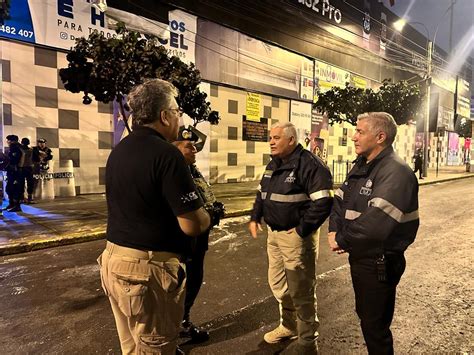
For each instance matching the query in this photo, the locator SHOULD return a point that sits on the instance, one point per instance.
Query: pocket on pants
(130, 292)
(154, 344)
(102, 282)
(174, 277)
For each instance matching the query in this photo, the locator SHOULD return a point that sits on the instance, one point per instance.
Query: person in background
(418, 160)
(294, 199)
(41, 157)
(26, 166)
(195, 263)
(374, 219)
(14, 184)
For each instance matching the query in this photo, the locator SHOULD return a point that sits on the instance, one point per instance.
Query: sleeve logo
(189, 197)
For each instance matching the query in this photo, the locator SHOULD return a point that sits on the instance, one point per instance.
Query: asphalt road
(52, 303)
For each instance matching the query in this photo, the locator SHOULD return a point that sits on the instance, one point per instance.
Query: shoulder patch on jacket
(267, 173)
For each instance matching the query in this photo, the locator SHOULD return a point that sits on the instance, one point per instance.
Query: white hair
(289, 129)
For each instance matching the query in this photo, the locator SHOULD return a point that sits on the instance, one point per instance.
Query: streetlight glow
(399, 24)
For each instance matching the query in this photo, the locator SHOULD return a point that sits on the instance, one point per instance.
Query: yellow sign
(253, 107)
(358, 82)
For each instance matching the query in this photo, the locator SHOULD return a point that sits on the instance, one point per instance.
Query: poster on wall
(252, 106)
(319, 134)
(300, 116)
(453, 148)
(255, 131)
(463, 104)
(327, 76)
(307, 80)
(419, 139)
(57, 23)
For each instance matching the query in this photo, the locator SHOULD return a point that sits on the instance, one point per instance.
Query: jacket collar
(364, 167)
(146, 131)
(292, 161)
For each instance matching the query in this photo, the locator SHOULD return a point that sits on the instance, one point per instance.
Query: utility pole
(451, 28)
(426, 127)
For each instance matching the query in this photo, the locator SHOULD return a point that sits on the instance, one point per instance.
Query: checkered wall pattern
(231, 158)
(235, 160)
(36, 105)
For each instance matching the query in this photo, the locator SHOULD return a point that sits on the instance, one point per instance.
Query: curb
(238, 213)
(18, 248)
(444, 180)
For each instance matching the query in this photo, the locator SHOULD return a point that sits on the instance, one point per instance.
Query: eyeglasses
(178, 112)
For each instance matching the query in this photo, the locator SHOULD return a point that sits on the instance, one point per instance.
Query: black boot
(30, 199)
(10, 205)
(189, 330)
(16, 207)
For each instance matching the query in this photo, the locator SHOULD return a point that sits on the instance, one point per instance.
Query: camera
(217, 211)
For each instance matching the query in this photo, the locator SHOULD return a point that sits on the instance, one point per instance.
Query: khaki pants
(292, 279)
(146, 292)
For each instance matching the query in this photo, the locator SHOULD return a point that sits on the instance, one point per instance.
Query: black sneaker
(16, 208)
(10, 205)
(197, 335)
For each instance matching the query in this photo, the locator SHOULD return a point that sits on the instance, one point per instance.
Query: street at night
(52, 301)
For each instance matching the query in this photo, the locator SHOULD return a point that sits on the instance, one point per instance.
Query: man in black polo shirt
(153, 213)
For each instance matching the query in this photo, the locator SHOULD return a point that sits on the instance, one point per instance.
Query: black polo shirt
(148, 184)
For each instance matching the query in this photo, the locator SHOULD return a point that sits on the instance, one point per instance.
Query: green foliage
(4, 11)
(401, 100)
(108, 68)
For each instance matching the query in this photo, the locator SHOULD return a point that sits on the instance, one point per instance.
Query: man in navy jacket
(294, 199)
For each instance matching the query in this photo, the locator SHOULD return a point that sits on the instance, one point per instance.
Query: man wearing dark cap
(14, 174)
(189, 145)
(41, 156)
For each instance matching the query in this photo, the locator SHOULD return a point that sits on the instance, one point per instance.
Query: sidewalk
(83, 218)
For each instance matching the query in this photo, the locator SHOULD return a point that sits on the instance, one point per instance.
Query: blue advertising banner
(20, 25)
(57, 23)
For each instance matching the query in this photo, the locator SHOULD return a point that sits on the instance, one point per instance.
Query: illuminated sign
(323, 8)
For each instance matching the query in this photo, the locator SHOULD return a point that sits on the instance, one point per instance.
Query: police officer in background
(14, 184)
(27, 170)
(195, 262)
(294, 199)
(154, 212)
(374, 219)
(41, 156)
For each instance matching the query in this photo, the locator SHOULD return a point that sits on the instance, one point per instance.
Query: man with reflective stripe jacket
(294, 199)
(374, 219)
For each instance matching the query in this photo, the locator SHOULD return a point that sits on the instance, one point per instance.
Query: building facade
(260, 63)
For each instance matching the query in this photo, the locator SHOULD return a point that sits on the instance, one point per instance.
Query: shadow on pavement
(246, 323)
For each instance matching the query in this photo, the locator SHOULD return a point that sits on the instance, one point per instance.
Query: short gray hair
(148, 99)
(289, 129)
(381, 122)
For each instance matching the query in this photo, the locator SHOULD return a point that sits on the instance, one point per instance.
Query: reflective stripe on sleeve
(321, 194)
(288, 198)
(393, 211)
(339, 193)
(351, 215)
(264, 195)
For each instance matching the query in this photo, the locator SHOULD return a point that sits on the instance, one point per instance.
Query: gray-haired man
(151, 200)
(294, 199)
(374, 219)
